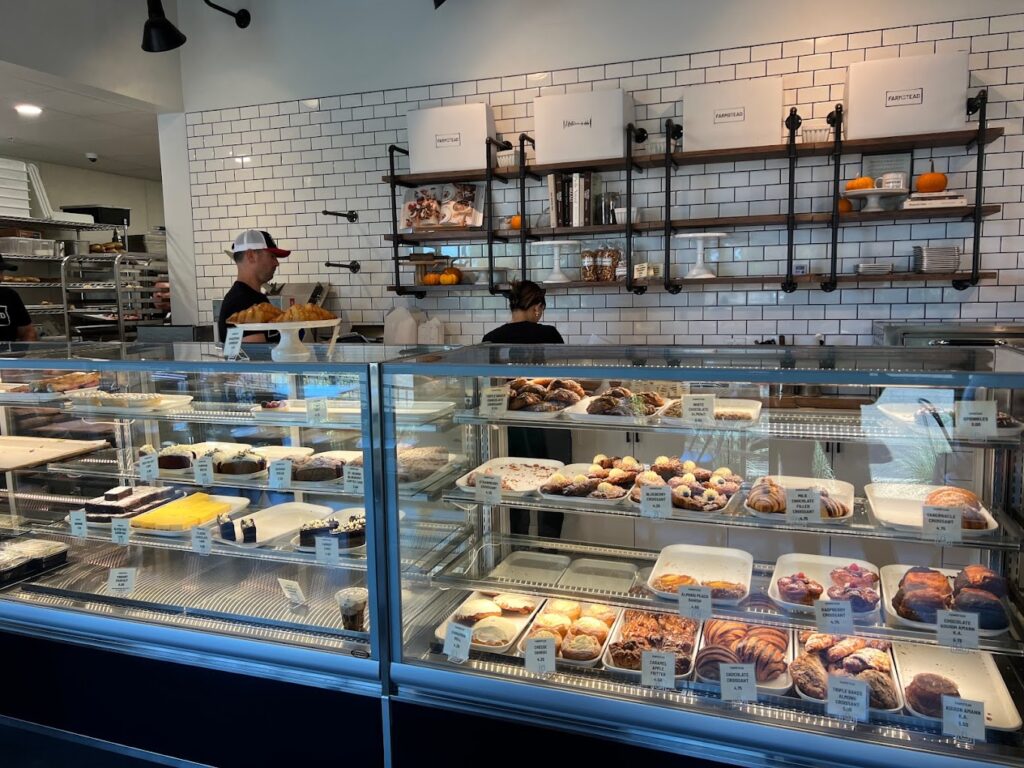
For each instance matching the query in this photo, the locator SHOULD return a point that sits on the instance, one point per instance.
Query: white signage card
(354, 480)
(233, 343)
(292, 591)
(803, 505)
(202, 540)
(847, 698)
(699, 409)
(327, 550)
(281, 473)
(202, 468)
(695, 602)
(739, 682)
(148, 467)
(120, 531)
(488, 488)
(957, 629)
(655, 501)
(943, 524)
(121, 581)
(974, 419)
(658, 669)
(457, 640)
(493, 402)
(316, 410)
(963, 718)
(540, 655)
(834, 617)
(78, 523)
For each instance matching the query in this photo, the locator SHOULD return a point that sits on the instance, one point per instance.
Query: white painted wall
(181, 256)
(305, 49)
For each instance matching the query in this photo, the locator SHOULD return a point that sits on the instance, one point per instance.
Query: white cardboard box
(449, 138)
(914, 94)
(581, 126)
(744, 113)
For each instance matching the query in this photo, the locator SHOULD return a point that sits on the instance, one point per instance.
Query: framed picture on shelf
(443, 206)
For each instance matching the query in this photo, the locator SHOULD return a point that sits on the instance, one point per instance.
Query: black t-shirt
(13, 315)
(240, 297)
(524, 332)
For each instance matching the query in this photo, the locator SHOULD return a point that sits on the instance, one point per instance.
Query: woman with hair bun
(527, 302)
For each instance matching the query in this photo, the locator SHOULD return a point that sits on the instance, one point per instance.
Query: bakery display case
(733, 553)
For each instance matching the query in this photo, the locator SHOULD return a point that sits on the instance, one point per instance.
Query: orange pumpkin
(931, 181)
(451, 276)
(432, 278)
(515, 222)
(845, 206)
(861, 182)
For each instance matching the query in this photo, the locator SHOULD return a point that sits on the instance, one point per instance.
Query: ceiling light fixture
(438, 4)
(28, 110)
(159, 35)
(242, 17)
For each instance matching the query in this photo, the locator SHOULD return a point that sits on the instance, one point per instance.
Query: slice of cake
(248, 530)
(182, 514)
(318, 469)
(227, 528)
(309, 531)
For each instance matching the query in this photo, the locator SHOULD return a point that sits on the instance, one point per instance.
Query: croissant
(264, 312)
(297, 312)
(767, 497)
(769, 662)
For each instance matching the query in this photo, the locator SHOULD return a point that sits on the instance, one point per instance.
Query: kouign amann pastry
(925, 692)
(991, 614)
(980, 577)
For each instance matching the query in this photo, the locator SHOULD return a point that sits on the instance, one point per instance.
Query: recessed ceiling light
(28, 110)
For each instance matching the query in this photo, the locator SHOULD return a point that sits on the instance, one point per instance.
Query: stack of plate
(871, 268)
(936, 259)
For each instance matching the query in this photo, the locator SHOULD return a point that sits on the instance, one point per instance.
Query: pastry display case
(745, 554)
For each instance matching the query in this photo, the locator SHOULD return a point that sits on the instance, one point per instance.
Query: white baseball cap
(257, 240)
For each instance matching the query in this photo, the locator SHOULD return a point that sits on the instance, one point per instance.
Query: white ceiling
(76, 119)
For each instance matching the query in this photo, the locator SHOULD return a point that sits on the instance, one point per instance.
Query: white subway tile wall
(277, 166)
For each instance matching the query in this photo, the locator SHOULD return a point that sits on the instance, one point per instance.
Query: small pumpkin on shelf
(451, 276)
(845, 205)
(432, 278)
(861, 182)
(931, 181)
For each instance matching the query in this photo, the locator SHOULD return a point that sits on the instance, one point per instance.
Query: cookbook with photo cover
(443, 206)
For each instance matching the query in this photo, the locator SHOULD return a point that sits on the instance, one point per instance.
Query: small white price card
(540, 655)
(202, 468)
(457, 639)
(658, 669)
(974, 418)
(739, 682)
(292, 591)
(695, 602)
(963, 718)
(354, 480)
(834, 617)
(957, 629)
(847, 698)
(943, 524)
(316, 410)
(120, 532)
(149, 467)
(202, 540)
(655, 501)
(78, 523)
(699, 409)
(233, 343)
(488, 488)
(327, 550)
(121, 581)
(281, 473)
(493, 402)
(803, 505)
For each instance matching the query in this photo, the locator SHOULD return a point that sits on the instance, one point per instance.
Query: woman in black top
(526, 300)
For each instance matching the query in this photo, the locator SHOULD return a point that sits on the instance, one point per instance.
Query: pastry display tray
(25, 452)
(578, 412)
(274, 522)
(599, 575)
(841, 491)
(528, 485)
(779, 686)
(901, 506)
(891, 575)
(703, 564)
(520, 621)
(893, 675)
(817, 568)
(531, 568)
(560, 661)
(636, 674)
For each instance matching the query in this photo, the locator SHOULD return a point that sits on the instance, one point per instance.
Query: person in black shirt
(255, 254)
(527, 302)
(15, 323)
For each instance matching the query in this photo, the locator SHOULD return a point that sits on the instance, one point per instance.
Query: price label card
(658, 669)
(739, 682)
(957, 629)
(202, 540)
(963, 718)
(148, 467)
(974, 418)
(316, 410)
(540, 655)
(699, 409)
(327, 550)
(803, 505)
(834, 617)
(120, 532)
(78, 523)
(695, 602)
(943, 524)
(847, 698)
(292, 591)
(233, 343)
(354, 480)
(121, 581)
(281, 473)
(488, 488)
(655, 501)
(493, 402)
(202, 468)
(457, 640)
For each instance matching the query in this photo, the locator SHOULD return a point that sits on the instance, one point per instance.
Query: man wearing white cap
(256, 254)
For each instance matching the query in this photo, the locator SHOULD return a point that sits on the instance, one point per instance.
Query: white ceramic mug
(893, 180)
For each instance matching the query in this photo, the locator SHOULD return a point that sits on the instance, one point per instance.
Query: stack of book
(945, 199)
(571, 199)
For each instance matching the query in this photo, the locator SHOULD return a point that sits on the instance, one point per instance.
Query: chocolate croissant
(769, 662)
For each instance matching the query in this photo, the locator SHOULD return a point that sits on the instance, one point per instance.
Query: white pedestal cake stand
(873, 197)
(290, 349)
(557, 275)
(700, 271)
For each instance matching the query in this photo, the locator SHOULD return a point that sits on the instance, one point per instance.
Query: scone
(494, 631)
(588, 625)
(515, 604)
(568, 608)
(581, 647)
(476, 610)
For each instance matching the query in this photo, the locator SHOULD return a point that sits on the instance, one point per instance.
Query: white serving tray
(341, 410)
(616, 633)
(679, 513)
(532, 567)
(817, 567)
(975, 675)
(454, 463)
(204, 448)
(574, 663)
(893, 675)
(703, 564)
(23, 452)
(838, 489)
(530, 488)
(342, 514)
(905, 413)
(276, 452)
(32, 398)
(584, 501)
(167, 403)
(604, 575)
(901, 506)
(579, 413)
(777, 687)
(235, 505)
(312, 485)
(521, 620)
(274, 522)
(891, 576)
(753, 407)
(288, 325)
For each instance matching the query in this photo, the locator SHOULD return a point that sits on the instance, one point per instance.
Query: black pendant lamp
(159, 35)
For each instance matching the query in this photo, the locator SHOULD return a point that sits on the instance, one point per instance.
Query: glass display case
(750, 554)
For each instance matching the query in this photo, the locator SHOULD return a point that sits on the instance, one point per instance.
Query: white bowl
(620, 215)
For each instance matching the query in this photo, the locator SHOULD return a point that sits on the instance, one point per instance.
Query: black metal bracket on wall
(396, 239)
(673, 132)
(638, 136)
(352, 216)
(792, 123)
(977, 105)
(835, 120)
(490, 176)
(524, 229)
